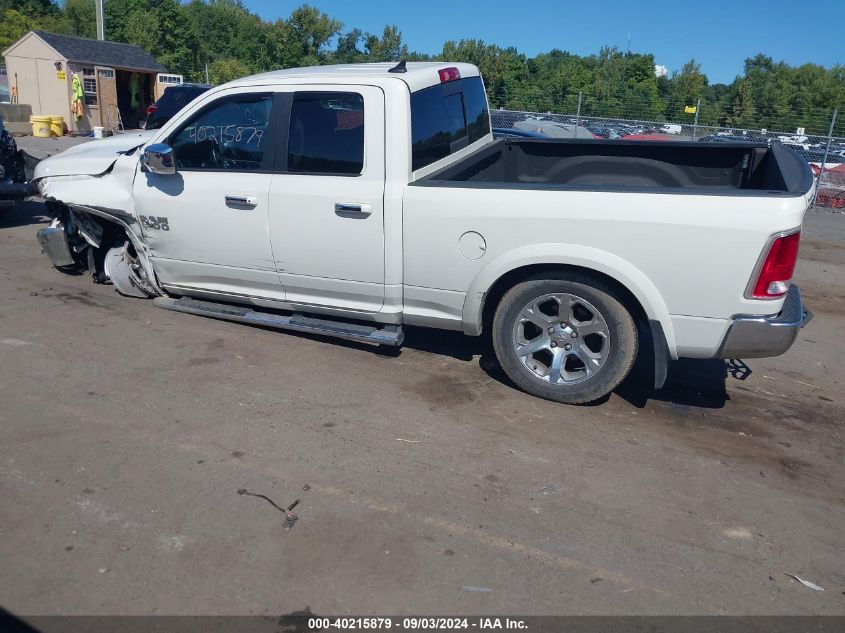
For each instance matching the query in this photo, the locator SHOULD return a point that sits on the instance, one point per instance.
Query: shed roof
(101, 53)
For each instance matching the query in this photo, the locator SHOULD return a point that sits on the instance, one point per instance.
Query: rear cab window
(446, 118)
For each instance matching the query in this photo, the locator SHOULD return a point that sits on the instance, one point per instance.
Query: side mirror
(158, 159)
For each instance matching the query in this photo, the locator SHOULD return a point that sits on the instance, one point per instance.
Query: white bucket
(98, 132)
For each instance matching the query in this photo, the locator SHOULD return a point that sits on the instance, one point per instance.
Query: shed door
(107, 97)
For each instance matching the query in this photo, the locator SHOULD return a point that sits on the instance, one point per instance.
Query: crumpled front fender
(111, 189)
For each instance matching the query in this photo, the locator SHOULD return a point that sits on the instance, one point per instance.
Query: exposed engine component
(54, 243)
(126, 273)
(77, 240)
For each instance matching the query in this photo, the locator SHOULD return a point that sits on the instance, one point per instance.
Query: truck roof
(418, 75)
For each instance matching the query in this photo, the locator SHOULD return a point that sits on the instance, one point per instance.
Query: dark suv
(174, 99)
(13, 185)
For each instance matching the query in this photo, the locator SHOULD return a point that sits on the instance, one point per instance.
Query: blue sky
(717, 33)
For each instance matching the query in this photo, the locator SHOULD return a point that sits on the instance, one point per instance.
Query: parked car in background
(174, 99)
(817, 155)
(553, 129)
(649, 135)
(510, 132)
(732, 138)
(5, 91)
(13, 185)
(626, 129)
(671, 128)
(606, 131)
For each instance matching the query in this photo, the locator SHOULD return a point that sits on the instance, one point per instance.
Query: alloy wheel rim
(561, 338)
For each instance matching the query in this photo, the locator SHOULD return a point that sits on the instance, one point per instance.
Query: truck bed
(671, 167)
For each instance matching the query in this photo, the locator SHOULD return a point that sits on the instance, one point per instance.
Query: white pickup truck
(355, 200)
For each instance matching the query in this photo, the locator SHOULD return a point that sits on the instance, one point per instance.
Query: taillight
(776, 270)
(449, 74)
(151, 109)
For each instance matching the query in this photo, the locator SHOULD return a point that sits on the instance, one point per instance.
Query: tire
(568, 340)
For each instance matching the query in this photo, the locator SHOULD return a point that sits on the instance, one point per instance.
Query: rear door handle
(353, 208)
(242, 201)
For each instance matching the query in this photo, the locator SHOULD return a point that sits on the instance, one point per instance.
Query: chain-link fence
(818, 136)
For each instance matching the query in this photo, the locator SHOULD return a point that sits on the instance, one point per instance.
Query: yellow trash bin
(40, 126)
(57, 125)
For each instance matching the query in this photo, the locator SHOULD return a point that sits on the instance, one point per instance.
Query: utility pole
(101, 29)
(577, 117)
(695, 123)
(826, 153)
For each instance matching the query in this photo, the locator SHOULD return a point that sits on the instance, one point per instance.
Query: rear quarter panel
(681, 255)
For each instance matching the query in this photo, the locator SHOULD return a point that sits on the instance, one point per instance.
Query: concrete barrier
(16, 118)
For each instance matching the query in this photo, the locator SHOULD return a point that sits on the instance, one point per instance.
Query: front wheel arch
(117, 225)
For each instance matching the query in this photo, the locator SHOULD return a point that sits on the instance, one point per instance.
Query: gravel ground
(428, 484)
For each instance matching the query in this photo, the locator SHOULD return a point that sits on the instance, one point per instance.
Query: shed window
(89, 86)
(169, 79)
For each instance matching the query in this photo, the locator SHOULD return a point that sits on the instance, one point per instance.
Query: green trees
(386, 48)
(503, 69)
(688, 86)
(231, 41)
(80, 18)
(158, 26)
(222, 31)
(305, 35)
(19, 16)
(13, 24)
(222, 70)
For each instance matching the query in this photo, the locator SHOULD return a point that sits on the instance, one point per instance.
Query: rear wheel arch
(566, 337)
(556, 271)
(653, 323)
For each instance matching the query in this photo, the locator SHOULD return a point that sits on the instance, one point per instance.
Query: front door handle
(241, 201)
(353, 208)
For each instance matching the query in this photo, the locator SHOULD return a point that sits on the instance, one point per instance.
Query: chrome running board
(385, 335)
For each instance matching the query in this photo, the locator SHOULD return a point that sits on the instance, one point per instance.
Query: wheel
(569, 340)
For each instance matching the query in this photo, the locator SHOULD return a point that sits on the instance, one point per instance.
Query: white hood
(91, 158)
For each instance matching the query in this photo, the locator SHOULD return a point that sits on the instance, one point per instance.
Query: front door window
(231, 135)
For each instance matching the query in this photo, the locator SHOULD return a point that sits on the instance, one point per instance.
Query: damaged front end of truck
(88, 193)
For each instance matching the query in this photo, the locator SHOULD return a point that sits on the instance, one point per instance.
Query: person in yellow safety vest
(77, 107)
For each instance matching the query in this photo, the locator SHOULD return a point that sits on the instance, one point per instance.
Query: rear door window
(326, 134)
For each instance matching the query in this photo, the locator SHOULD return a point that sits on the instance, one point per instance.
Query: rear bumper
(761, 337)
